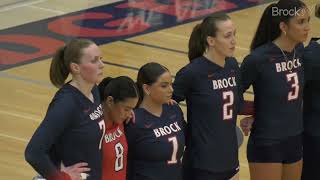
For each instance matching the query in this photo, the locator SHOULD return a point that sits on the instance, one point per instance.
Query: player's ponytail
(197, 44)
(58, 70)
(268, 28)
(198, 39)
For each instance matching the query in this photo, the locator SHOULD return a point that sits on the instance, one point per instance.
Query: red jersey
(115, 150)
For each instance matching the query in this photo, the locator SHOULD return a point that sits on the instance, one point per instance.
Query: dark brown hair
(149, 74)
(198, 39)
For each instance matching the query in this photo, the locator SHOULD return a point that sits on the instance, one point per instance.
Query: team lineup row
(126, 130)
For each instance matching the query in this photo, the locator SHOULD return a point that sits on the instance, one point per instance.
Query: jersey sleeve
(311, 64)
(245, 107)
(180, 114)
(182, 84)
(249, 71)
(131, 134)
(59, 116)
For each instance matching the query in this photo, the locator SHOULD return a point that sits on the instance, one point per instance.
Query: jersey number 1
(175, 150)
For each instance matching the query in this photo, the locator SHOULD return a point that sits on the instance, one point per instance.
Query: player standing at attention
(274, 69)
(311, 114)
(118, 96)
(156, 140)
(68, 140)
(210, 84)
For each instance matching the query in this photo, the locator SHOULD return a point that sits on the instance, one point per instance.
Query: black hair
(120, 88)
(268, 28)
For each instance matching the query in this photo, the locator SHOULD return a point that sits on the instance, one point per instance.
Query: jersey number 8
(118, 164)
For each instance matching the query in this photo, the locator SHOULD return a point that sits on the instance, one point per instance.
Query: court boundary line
(32, 81)
(21, 115)
(11, 3)
(168, 49)
(153, 46)
(187, 38)
(19, 4)
(47, 9)
(13, 137)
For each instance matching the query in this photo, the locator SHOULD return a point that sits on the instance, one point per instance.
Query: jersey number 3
(293, 79)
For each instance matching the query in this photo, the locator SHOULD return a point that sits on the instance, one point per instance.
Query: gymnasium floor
(130, 33)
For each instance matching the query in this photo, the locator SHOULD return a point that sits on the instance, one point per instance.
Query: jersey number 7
(175, 150)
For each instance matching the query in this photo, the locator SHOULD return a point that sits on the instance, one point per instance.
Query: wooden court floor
(26, 90)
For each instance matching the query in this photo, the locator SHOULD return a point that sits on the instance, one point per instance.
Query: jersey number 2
(228, 99)
(293, 79)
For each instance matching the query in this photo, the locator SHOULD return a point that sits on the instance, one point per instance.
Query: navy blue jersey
(156, 145)
(70, 133)
(278, 86)
(311, 104)
(213, 97)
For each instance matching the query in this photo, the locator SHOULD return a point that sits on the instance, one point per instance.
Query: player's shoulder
(232, 61)
(299, 47)
(173, 113)
(67, 95)
(141, 116)
(194, 65)
(260, 54)
(172, 109)
(313, 46)
(312, 53)
(262, 51)
(95, 91)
